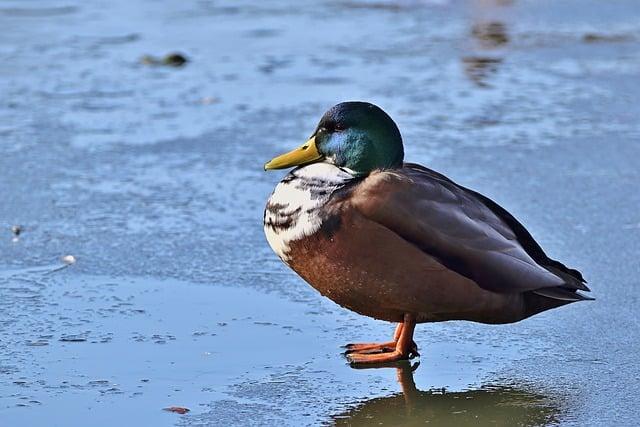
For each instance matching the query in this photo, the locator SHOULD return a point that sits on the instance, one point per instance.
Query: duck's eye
(338, 127)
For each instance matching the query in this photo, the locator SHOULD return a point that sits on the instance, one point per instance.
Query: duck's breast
(295, 209)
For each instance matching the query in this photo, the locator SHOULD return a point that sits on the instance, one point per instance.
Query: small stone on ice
(68, 259)
(177, 409)
(16, 230)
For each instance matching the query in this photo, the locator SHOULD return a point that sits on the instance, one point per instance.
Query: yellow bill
(306, 153)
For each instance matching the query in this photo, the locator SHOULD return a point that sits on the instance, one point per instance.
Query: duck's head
(356, 136)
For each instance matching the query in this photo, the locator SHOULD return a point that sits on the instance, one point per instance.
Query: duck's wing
(465, 231)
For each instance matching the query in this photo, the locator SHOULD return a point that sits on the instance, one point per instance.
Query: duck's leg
(374, 347)
(404, 347)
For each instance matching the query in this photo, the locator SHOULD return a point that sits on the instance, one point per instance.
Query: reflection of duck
(487, 406)
(479, 68)
(489, 34)
(399, 242)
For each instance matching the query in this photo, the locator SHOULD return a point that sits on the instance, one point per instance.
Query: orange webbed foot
(401, 348)
(368, 348)
(358, 359)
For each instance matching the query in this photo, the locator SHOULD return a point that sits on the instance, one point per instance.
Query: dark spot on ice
(177, 409)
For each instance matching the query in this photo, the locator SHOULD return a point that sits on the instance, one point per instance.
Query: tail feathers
(546, 299)
(572, 277)
(563, 294)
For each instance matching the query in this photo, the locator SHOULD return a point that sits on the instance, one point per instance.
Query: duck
(399, 242)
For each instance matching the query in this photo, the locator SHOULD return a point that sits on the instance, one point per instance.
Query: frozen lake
(151, 177)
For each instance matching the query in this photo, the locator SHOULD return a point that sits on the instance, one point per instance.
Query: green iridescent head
(356, 136)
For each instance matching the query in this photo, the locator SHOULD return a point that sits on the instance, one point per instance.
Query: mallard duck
(400, 242)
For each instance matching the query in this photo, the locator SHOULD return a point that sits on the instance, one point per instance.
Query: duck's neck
(294, 210)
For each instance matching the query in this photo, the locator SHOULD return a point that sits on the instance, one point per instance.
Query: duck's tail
(545, 299)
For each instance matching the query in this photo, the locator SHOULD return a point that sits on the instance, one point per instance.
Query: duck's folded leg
(403, 347)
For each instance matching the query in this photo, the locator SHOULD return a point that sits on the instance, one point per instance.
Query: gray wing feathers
(454, 226)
